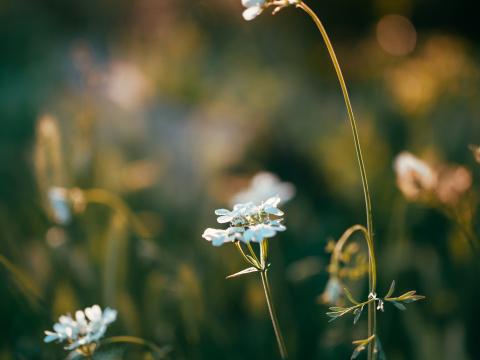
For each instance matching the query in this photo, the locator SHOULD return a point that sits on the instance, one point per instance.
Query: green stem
(273, 315)
(363, 173)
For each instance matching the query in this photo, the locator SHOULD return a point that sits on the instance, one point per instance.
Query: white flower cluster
(248, 222)
(256, 7)
(262, 186)
(86, 328)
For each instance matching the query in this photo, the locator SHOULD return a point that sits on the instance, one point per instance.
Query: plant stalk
(363, 174)
(271, 309)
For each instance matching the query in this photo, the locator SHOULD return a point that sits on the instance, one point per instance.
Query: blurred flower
(333, 291)
(63, 202)
(263, 185)
(414, 177)
(248, 222)
(476, 152)
(453, 182)
(60, 205)
(126, 85)
(84, 330)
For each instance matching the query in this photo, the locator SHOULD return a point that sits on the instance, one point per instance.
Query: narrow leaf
(243, 272)
(357, 352)
(379, 349)
(350, 297)
(358, 313)
(399, 306)
(391, 290)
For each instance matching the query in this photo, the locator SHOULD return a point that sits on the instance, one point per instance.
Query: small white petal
(224, 219)
(252, 12)
(273, 211)
(222, 212)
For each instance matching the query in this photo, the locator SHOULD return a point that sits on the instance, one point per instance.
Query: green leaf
(349, 296)
(358, 350)
(243, 272)
(379, 349)
(358, 313)
(399, 306)
(391, 290)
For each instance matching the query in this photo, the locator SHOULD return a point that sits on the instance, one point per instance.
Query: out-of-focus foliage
(171, 105)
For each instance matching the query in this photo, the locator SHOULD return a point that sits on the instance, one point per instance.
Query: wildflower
(84, 330)
(453, 183)
(248, 222)
(262, 186)
(256, 7)
(414, 177)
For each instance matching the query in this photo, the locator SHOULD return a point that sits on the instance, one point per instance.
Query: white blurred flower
(248, 222)
(333, 291)
(414, 176)
(262, 186)
(60, 205)
(85, 329)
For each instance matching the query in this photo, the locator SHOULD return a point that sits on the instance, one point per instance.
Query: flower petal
(252, 12)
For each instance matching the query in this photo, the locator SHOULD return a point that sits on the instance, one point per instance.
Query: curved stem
(113, 201)
(363, 173)
(134, 341)
(343, 240)
(273, 315)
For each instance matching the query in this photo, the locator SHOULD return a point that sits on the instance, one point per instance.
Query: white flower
(254, 8)
(248, 222)
(414, 177)
(60, 205)
(262, 186)
(86, 328)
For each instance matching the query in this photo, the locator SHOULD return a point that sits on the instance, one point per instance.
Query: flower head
(83, 330)
(414, 177)
(248, 222)
(262, 186)
(256, 7)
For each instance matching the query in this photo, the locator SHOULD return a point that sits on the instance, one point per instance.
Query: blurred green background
(173, 105)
